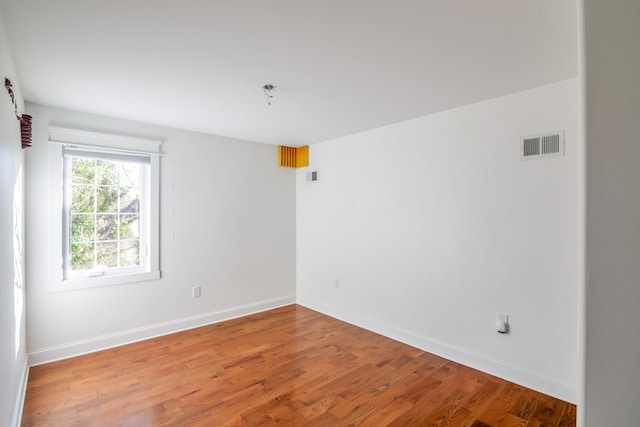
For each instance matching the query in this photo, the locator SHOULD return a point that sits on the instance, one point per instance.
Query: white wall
(13, 359)
(613, 212)
(435, 224)
(227, 223)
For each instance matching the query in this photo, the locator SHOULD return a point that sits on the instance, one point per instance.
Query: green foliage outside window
(105, 214)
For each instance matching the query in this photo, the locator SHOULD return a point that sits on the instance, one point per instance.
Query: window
(110, 210)
(105, 213)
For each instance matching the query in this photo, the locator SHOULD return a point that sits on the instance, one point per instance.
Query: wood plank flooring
(289, 366)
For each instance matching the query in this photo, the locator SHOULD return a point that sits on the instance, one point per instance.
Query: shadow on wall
(18, 256)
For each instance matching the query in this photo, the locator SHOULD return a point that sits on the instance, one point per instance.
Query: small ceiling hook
(267, 89)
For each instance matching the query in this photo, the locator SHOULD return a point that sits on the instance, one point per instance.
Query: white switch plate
(502, 323)
(196, 292)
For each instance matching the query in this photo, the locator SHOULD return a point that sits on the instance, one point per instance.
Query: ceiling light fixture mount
(267, 89)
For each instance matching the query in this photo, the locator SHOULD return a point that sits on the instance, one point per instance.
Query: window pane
(129, 253)
(107, 172)
(129, 226)
(107, 228)
(82, 227)
(106, 225)
(129, 200)
(107, 199)
(130, 174)
(107, 254)
(82, 171)
(82, 198)
(82, 256)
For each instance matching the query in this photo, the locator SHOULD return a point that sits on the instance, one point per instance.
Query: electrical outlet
(502, 323)
(196, 292)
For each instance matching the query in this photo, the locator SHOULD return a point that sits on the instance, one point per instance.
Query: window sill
(95, 282)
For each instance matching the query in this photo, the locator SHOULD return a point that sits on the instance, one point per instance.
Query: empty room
(243, 213)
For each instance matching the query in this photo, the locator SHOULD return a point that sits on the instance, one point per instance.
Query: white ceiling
(339, 66)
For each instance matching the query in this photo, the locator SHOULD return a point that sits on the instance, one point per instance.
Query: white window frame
(150, 256)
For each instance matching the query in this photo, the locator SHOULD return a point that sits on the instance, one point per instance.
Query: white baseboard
(530, 379)
(77, 348)
(22, 392)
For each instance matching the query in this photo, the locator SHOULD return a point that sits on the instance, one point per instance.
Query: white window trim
(92, 140)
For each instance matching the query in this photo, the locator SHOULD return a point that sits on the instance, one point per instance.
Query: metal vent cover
(543, 145)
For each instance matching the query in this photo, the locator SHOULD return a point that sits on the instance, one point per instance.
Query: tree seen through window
(104, 214)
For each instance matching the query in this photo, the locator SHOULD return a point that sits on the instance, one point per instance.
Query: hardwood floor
(288, 366)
